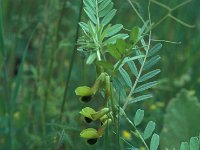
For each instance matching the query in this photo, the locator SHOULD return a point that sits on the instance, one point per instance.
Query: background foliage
(37, 41)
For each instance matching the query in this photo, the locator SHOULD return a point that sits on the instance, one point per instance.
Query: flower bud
(86, 112)
(91, 115)
(89, 133)
(100, 113)
(85, 93)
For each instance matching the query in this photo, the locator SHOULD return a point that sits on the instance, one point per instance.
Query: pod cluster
(89, 114)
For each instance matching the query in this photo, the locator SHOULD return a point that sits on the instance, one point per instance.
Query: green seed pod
(99, 81)
(107, 86)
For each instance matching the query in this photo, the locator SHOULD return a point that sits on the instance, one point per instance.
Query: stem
(138, 14)
(170, 10)
(181, 4)
(138, 133)
(181, 22)
(166, 41)
(18, 80)
(160, 21)
(97, 14)
(43, 107)
(71, 64)
(161, 5)
(5, 81)
(98, 55)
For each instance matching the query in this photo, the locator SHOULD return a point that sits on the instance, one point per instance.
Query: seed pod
(107, 86)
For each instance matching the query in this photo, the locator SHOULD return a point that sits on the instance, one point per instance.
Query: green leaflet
(128, 59)
(133, 68)
(104, 4)
(121, 46)
(104, 32)
(145, 86)
(114, 30)
(119, 88)
(140, 98)
(91, 58)
(138, 52)
(144, 44)
(135, 34)
(149, 75)
(154, 49)
(84, 26)
(91, 10)
(106, 10)
(113, 39)
(151, 62)
(113, 51)
(149, 129)
(109, 17)
(139, 115)
(126, 77)
(89, 3)
(154, 142)
(91, 16)
(105, 65)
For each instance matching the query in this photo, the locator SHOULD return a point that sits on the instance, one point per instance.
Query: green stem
(43, 116)
(181, 22)
(181, 4)
(161, 4)
(138, 14)
(137, 132)
(5, 81)
(18, 81)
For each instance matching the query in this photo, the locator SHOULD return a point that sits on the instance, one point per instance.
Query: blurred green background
(37, 41)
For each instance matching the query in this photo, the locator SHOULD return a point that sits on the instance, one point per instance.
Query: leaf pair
(99, 11)
(148, 130)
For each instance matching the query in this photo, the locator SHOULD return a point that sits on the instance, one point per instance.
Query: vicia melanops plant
(118, 58)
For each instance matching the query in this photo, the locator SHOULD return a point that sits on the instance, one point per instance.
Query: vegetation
(99, 74)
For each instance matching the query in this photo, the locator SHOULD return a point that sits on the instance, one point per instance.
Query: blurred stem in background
(8, 109)
(71, 63)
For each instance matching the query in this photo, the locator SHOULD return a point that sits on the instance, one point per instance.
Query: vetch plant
(112, 52)
(125, 68)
